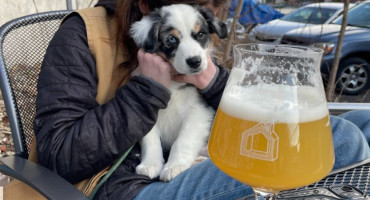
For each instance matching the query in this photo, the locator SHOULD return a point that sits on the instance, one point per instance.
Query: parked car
(306, 16)
(353, 74)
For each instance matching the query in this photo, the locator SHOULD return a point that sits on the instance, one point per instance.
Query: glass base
(259, 195)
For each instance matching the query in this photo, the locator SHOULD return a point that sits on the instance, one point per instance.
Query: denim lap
(201, 181)
(350, 144)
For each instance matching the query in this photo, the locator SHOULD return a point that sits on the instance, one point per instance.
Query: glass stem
(264, 195)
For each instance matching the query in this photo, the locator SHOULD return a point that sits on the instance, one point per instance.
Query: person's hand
(201, 80)
(154, 67)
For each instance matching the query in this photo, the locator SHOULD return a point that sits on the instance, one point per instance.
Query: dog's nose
(194, 62)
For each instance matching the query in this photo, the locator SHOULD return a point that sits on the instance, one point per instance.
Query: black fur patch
(202, 36)
(151, 43)
(168, 42)
(215, 26)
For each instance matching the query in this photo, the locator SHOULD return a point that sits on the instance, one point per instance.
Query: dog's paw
(152, 171)
(170, 172)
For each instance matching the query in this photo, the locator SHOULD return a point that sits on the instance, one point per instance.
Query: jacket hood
(109, 5)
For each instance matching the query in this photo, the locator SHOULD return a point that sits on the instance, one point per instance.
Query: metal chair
(23, 43)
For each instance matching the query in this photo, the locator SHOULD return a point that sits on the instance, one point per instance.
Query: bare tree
(91, 3)
(34, 3)
(334, 69)
(230, 39)
(224, 13)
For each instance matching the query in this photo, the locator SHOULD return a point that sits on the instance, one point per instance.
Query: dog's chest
(183, 104)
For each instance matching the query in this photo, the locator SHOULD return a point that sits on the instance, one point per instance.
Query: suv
(353, 75)
(306, 16)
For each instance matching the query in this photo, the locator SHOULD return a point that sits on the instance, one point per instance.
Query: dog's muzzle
(194, 62)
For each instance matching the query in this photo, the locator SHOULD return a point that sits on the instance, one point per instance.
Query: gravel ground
(6, 142)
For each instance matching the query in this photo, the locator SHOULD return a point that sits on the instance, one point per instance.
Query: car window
(310, 15)
(357, 16)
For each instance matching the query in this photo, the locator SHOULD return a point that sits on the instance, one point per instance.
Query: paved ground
(362, 98)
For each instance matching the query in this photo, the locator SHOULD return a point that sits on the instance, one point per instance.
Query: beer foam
(266, 102)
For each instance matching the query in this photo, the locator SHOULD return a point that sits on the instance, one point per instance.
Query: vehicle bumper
(326, 64)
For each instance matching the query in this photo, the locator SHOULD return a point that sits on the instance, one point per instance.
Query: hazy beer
(272, 128)
(272, 145)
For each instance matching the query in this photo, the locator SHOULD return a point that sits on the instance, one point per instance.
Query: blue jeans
(205, 181)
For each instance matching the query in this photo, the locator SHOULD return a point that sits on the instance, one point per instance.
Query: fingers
(154, 67)
(182, 78)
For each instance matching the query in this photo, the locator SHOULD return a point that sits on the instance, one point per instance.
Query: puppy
(181, 35)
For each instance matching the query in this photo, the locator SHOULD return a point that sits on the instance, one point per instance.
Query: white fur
(183, 127)
(139, 30)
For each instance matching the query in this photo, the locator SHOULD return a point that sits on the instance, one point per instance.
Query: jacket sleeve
(213, 93)
(77, 137)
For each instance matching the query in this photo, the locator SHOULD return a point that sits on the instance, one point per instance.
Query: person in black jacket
(77, 137)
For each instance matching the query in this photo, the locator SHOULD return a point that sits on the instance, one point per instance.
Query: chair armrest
(40, 178)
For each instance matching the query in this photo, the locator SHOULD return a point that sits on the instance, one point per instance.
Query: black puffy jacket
(77, 137)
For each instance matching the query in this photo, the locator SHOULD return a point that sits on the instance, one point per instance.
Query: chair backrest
(23, 43)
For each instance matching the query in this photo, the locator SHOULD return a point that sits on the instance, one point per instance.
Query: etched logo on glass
(260, 142)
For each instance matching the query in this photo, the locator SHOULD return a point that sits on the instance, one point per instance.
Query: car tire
(353, 76)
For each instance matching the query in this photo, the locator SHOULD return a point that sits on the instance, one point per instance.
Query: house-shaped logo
(260, 142)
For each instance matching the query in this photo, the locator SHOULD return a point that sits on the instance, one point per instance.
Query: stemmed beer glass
(272, 129)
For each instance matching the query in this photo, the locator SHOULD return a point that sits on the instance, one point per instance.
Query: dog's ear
(215, 25)
(145, 32)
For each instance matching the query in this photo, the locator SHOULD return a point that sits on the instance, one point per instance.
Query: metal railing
(348, 106)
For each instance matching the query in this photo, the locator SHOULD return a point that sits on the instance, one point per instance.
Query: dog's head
(179, 33)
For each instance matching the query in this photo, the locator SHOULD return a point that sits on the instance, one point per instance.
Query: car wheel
(353, 76)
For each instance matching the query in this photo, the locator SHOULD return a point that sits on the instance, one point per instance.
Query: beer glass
(272, 129)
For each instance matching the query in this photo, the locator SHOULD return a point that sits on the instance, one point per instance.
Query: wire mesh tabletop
(355, 177)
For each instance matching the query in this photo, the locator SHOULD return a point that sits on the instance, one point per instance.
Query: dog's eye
(171, 40)
(200, 35)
